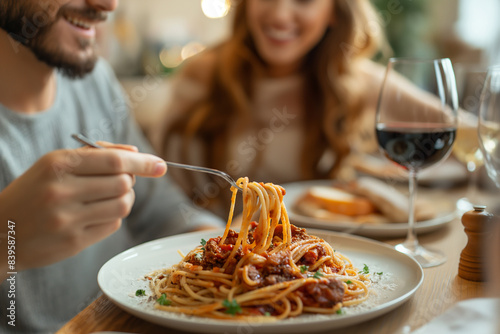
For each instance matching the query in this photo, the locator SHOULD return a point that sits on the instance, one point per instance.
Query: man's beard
(69, 65)
(18, 21)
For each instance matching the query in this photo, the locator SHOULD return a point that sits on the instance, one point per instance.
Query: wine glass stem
(411, 239)
(471, 185)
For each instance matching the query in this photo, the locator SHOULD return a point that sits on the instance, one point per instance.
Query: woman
(279, 100)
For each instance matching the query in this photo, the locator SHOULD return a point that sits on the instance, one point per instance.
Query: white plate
(121, 276)
(294, 190)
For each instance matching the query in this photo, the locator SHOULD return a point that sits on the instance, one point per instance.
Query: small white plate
(122, 276)
(447, 213)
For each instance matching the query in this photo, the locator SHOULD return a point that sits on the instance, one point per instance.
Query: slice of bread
(338, 201)
(388, 200)
(391, 202)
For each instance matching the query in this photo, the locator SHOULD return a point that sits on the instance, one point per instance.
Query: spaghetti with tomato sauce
(270, 269)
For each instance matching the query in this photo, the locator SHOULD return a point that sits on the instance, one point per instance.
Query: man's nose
(103, 5)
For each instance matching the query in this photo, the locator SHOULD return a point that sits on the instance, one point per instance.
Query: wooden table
(441, 289)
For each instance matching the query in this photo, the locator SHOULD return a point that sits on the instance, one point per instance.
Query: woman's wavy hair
(331, 94)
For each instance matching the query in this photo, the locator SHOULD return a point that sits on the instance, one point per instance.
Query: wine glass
(416, 124)
(489, 123)
(466, 147)
(489, 138)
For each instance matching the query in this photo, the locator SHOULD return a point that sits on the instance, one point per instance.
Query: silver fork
(84, 140)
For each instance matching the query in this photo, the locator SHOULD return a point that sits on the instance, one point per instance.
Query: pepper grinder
(477, 225)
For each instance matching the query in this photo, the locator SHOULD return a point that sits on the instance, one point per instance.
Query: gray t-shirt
(46, 298)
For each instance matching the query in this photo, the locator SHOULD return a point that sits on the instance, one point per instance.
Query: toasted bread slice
(338, 201)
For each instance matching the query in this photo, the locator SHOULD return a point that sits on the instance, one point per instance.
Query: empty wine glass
(416, 124)
(489, 123)
(489, 137)
(466, 149)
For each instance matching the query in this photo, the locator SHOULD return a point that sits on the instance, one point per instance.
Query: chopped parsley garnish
(318, 274)
(140, 292)
(203, 242)
(340, 311)
(365, 270)
(198, 256)
(163, 300)
(303, 269)
(267, 314)
(348, 282)
(380, 273)
(232, 307)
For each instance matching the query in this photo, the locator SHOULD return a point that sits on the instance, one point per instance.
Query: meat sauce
(324, 292)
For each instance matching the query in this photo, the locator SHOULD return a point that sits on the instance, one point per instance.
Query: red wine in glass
(412, 147)
(416, 123)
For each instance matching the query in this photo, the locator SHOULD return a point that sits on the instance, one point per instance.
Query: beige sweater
(277, 137)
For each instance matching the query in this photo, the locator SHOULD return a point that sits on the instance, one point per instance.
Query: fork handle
(85, 141)
(216, 172)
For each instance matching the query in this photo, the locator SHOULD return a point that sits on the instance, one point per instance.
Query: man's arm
(61, 207)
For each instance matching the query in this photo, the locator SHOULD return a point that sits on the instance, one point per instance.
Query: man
(61, 206)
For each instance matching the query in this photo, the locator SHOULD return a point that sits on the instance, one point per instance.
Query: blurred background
(150, 39)
(164, 33)
(147, 41)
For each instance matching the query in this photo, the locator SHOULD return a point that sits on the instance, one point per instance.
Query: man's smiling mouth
(80, 23)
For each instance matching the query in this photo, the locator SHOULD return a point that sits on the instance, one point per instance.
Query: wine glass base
(425, 257)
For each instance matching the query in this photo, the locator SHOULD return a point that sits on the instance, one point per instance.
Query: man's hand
(71, 199)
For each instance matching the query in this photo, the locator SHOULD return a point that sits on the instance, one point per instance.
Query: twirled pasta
(270, 269)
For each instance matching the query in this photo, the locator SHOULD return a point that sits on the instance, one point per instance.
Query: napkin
(477, 315)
